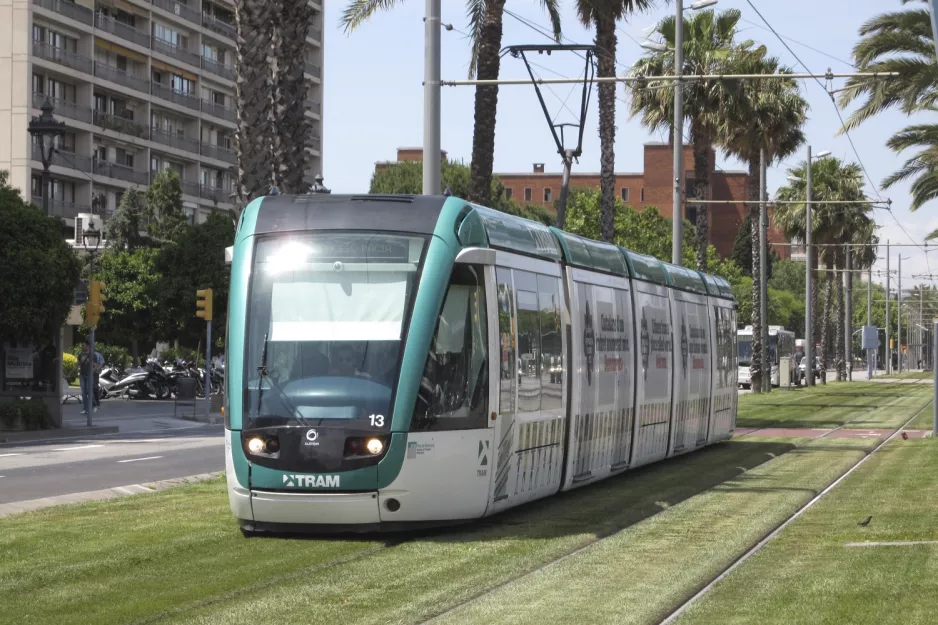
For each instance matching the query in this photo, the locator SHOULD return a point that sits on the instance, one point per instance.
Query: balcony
(120, 77)
(171, 95)
(315, 106)
(63, 158)
(181, 9)
(124, 31)
(313, 70)
(65, 210)
(316, 34)
(174, 140)
(216, 25)
(218, 152)
(68, 9)
(190, 188)
(118, 123)
(219, 111)
(315, 143)
(175, 52)
(214, 194)
(62, 57)
(65, 109)
(121, 172)
(218, 69)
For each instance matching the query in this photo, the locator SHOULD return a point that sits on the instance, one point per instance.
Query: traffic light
(95, 305)
(204, 304)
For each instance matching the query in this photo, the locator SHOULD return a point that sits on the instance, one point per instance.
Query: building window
(625, 194)
(507, 194)
(547, 194)
(527, 195)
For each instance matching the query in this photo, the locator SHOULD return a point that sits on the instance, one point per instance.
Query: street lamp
(46, 130)
(317, 186)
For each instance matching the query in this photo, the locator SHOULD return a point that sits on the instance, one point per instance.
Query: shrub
(34, 413)
(69, 367)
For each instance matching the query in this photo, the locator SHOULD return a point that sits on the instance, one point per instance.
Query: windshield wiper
(262, 372)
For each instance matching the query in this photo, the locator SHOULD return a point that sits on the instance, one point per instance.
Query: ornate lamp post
(317, 186)
(46, 129)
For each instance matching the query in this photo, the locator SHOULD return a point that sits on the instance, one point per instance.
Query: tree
(709, 48)
(788, 275)
(833, 224)
(193, 260)
(743, 254)
(603, 14)
(165, 217)
(407, 177)
(122, 230)
(253, 34)
(39, 270)
(923, 166)
(132, 308)
(485, 22)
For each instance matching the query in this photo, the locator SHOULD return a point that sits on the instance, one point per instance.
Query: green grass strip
(808, 575)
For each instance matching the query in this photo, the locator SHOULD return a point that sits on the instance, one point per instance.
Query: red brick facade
(653, 187)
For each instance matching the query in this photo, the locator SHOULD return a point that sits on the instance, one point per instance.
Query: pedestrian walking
(87, 363)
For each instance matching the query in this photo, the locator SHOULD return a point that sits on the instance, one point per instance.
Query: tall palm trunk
(752, 193)
(252, 42)
(606, 44)
(486, 104)
(701, 146)
(825, 320)
(291, 128)
(839, 324)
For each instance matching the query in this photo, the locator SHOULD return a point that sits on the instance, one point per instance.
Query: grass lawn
(808, 575)
(912, 375)
(177, 555)
(926, 419)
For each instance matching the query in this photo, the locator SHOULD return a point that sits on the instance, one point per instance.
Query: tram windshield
(744, 349)
(326, 318)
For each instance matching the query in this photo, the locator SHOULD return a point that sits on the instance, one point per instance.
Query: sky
(373, 100)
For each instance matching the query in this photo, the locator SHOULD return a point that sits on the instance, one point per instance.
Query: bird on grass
(865, 521)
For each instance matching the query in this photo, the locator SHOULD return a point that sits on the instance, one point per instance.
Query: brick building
(652, 187)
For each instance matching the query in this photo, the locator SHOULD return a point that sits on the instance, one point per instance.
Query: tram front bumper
(300, 508)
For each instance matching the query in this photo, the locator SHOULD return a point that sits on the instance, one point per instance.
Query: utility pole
(763, 287)
(564, 188)
(869, 322)
(899, 317)
(888, 349)
(934, 360)
(677, 210)
(431, 100)
(203, 306)
(808, 309)
(848, 313)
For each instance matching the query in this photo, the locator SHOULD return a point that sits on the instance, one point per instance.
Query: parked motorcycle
(142, 383)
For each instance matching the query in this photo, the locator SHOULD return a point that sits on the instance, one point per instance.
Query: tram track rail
(677, 612)
(713, 581)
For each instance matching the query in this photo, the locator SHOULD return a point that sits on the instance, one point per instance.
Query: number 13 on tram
(401, 360)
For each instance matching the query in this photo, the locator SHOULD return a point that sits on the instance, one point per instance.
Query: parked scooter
(150, 380)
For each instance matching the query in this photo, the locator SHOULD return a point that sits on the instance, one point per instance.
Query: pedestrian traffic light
(204, 304)
(95, 305)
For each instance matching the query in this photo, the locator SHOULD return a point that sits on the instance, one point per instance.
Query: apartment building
(142, 86)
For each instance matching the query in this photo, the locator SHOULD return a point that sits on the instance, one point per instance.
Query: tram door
(529, 424)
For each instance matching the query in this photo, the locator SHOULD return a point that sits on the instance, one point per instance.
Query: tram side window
(529, 352)
(506, 342)
(548, 297)
(453, 392)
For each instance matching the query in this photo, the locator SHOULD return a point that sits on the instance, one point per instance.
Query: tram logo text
(311, 481)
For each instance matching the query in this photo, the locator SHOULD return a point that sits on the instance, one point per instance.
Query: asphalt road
(151, 445)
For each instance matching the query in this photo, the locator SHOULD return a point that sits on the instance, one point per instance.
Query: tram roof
(717, 286)
(646, 267)
(685, 279)
(516, 234)
(320, 211)
(582, 252)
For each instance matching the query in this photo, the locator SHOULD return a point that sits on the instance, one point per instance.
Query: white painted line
(79, 447)
(8, 455)
(900, 543)
(139, 459)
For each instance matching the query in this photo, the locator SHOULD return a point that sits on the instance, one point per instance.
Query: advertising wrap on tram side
(654, 371)
(691, 413)
(604, 365)
(724, 378)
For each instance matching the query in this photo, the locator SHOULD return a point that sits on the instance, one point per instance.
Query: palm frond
(475, 12)
(360, 11)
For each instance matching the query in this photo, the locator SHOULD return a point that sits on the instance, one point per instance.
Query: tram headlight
(256, 445)
(374, 446)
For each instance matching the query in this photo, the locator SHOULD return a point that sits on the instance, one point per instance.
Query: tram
(418, 360)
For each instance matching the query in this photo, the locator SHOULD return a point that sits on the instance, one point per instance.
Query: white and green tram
(402, 360)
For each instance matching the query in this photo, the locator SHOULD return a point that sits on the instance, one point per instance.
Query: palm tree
(709, 48)
(604, 14)
(833, 224)
(902, 42)
(769, 117)
(253, 22)
(485, 20)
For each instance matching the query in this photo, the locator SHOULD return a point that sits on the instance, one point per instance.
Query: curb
(41, 435)
(19, 507)
(212, 419)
